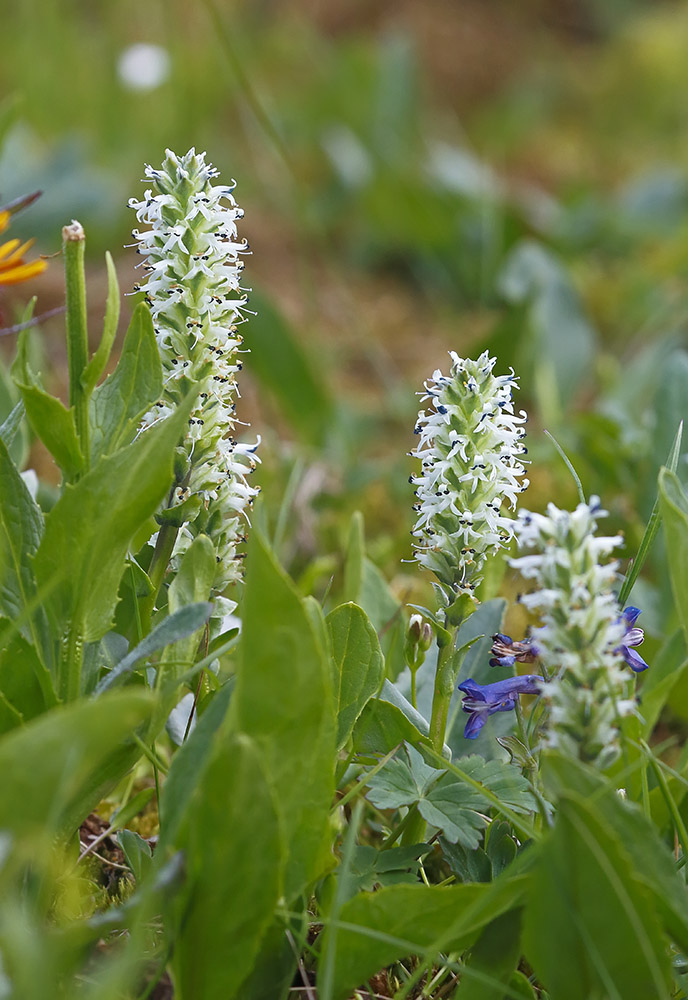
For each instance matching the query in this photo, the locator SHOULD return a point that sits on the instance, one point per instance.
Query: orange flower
(13, 268)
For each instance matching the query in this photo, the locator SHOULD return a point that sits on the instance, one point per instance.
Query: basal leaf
(358, 665)
(118, 404)
(375, 929)
(234, 854)
(49, 762)
(585, 892)
(283, 700)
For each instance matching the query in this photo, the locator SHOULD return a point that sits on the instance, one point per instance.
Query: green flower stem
(445, 681)
(71, 664)
(164, 546)
(77, 330)
(414, 827)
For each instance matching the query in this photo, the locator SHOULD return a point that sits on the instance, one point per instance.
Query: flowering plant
(286, 820)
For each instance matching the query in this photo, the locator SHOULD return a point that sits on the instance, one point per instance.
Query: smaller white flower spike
(193, 262)
(579, 643)
(470, 445)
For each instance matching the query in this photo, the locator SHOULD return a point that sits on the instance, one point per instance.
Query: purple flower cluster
(482, 700)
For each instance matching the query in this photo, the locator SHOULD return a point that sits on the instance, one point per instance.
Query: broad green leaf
(96, 366)
(22, 679)
(50, 419)
(493, 959)
(673, 505)
(585, 892)
(281, 364)
(234, 857)
(188, 766)
(446, 800)
(47, 764)
(280, 950)
(375, 929)
(89, 529)
(21, 529)
(181, 623)
(358, 665)
(652, 861)
(370, 868)
(119, 403)
(383, 726)
(283, 700)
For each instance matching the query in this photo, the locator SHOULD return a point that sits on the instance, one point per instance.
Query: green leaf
(50, 419)
(96, 366)
(22, 676)
(11, 424)
(585, 892)
(21, 528)
(234, 856)
(181, 623)
(48, 764)
(493, 959)
(651, 528)
(446, 800)
(89, 529)
(375, 929)
(385, 724)
(358, 665)
(283, 700)
(136, 851)
(188, 766)
(652, 861)
(281, 364)
(668, 669)
(370, 868)
(119, 403)
(673, 505)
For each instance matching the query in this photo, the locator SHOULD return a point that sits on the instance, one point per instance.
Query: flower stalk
(470, 447)
(74, 246)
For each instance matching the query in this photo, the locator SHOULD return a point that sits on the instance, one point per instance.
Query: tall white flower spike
(193, 261)
(471, 475)
(579, 643)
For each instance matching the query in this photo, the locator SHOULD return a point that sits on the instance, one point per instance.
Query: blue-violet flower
(483, 700)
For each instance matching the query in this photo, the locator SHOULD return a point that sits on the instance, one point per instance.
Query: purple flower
(506, 651)
(482, 700)
(632, 637)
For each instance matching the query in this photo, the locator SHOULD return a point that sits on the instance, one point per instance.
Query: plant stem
(77, 330)
(71, 663)
(445, 679)
(164, 546)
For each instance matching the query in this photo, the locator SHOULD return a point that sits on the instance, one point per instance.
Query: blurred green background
(416, 177)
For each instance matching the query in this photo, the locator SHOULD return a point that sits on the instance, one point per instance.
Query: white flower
(193, 262)
(578, 643)
(470, 443)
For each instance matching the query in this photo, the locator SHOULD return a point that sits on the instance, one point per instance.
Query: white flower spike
(470, 445)
(193, 260)
(579, 643)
